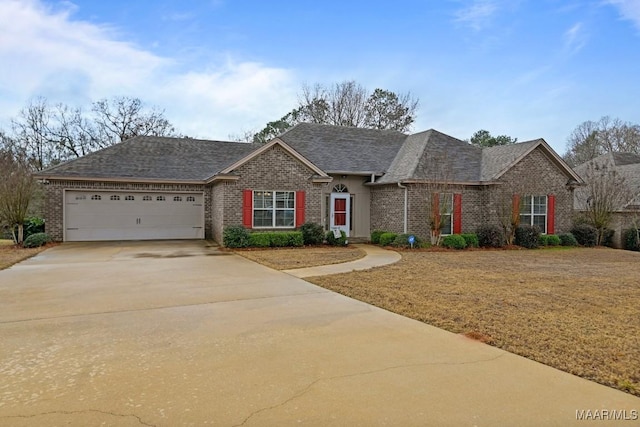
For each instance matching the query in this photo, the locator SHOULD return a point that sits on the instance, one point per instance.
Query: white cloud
(575, 38)
(629, 9)
(477, 14)
(46, 52)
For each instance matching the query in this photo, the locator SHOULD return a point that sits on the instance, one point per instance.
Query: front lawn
(289, 258)
(577, 310)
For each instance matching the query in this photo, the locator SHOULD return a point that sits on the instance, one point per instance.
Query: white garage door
(102, 215)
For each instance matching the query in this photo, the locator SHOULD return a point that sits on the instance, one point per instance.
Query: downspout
(406, 200)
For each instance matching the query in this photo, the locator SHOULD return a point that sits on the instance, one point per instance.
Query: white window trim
(273, 209)
(450, 213)
(532, 214)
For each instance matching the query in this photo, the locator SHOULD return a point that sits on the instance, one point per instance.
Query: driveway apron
(179, 333)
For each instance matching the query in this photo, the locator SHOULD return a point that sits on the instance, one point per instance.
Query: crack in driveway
(356, 374)
(80, 412)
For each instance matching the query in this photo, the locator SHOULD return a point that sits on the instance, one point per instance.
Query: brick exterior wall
(536, 175)
(274, 169)
(54, 198)
(387, 208)
(533, 175)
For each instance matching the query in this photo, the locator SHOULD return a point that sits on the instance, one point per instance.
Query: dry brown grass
(577, 310)
(288, 258)
(10, 254)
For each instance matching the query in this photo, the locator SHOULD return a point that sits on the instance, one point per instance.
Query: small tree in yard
(606, 191)
(16, 190)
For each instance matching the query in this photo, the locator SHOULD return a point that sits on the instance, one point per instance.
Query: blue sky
(527, 69)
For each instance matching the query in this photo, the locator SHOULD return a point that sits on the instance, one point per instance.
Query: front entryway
(340, 209)
(118, 215)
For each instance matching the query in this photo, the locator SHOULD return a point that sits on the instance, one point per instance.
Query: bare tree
(122, 118)
(49, 134)
(592, 139)
(606, 191)
(346, 104)
(16, 190)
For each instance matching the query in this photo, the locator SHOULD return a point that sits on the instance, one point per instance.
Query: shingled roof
(337, 149)
(154, 158)
(391, 155)
(432, 156)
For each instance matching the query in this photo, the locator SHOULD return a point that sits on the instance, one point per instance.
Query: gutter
(406, 200)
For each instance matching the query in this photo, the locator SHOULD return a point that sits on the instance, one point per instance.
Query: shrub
(552, 240)
(543, 240)
(36, 240)
(259, 240)
(471, 239)
(402, 241)
(568, 239)
(339, 241)
(585, 234)
(632, 239)
(279, 240)
(295, 239)
(235, 236)
(490, 236)
(312, 233)
(454, 241)
(387, 238)
(527, 236)
(606, 237)
(33, 225)
(375, 236)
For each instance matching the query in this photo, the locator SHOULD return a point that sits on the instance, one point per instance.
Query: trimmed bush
(312, 233)
(387, 238)
(454, 241)
(402, 241)
(36, 240)
(632, 239)
(235, 236)
(295, 239)
(279, 240)
(585, 234)
(276, 239)
(490, 236)
(471, 239)
(568, 239)
(527, 236)
(552, 240)
(543, 240)
(259, 240)
(375, 236)
(340, 241)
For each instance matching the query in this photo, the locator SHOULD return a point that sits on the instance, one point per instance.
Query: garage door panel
(133, 216)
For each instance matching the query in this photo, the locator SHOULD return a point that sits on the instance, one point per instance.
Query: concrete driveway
(177, 333)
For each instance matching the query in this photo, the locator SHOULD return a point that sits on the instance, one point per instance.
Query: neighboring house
(352, 179)
(627, 212)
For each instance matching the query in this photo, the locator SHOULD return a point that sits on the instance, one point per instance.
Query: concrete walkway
(376, 257)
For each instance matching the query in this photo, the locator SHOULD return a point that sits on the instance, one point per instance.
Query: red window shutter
(457, 213)
(551, 214)
(300, 196)
(247, 208)
(515, 211)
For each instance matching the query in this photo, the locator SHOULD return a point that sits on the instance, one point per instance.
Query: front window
(446, 213)
(273, 209)
(533, 211)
